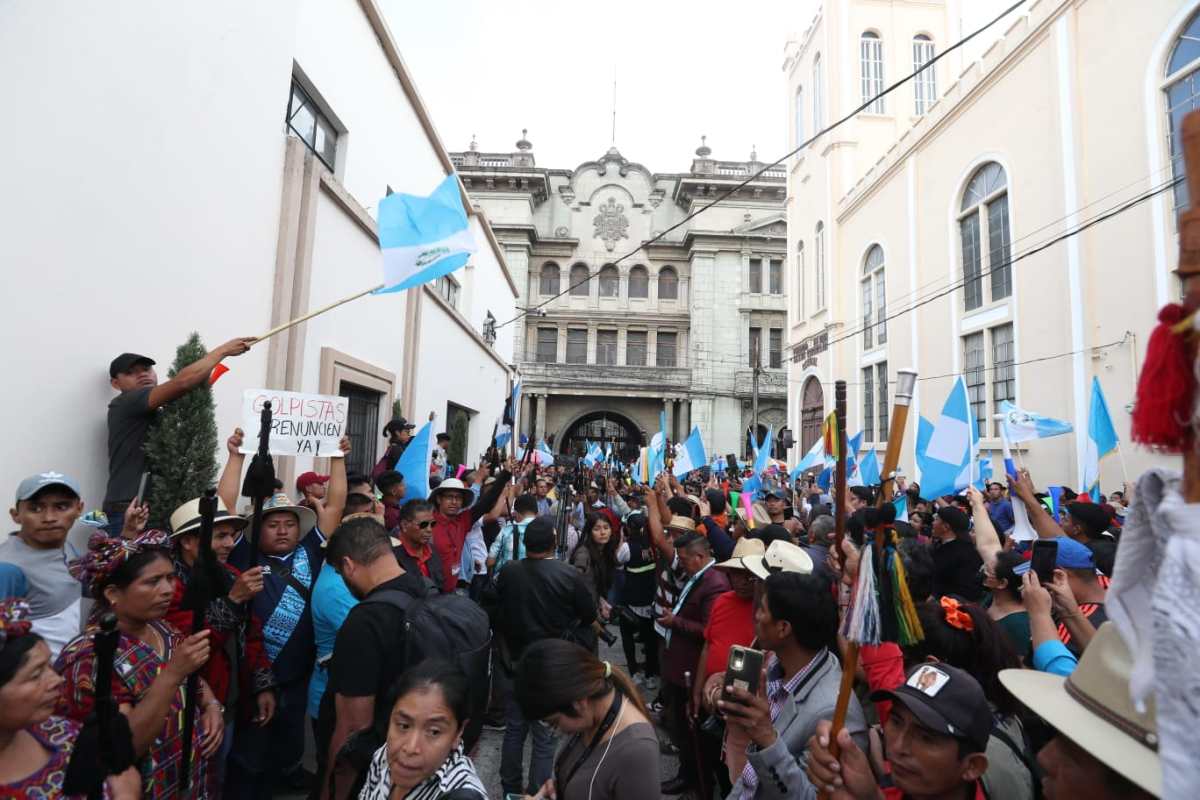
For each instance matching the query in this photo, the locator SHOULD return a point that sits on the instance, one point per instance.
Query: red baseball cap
(308, 479)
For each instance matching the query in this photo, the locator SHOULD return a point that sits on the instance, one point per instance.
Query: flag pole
(318, 312)
(1121, 456)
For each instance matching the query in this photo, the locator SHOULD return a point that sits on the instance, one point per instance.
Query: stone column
(669, 407)
(523, 422)
(540, 429)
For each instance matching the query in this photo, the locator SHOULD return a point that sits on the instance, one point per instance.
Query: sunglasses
(426, 525)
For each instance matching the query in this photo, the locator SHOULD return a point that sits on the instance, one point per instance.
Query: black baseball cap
(397, 424)
(443, 435)
(125, 361)
(946, 700)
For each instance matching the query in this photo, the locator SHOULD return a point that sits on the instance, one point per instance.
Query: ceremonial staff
(104, 642)
(204, 584)
(260, 480)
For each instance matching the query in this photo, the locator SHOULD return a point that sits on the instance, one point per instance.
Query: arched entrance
(812, 412)
(603, 427)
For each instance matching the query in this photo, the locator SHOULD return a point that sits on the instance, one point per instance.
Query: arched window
(639, 282)
(580, 280)
(610, 281)
(984, 218)
(871, 63)
(668, 284)
(548, 280)
(819, 269)
(925, 84)
(874, 297)
(817, 92)
(800, 280)
(1183, 95)
(799, 115)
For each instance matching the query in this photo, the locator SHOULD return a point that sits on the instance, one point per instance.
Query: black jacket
(541, 598)
(411, 564)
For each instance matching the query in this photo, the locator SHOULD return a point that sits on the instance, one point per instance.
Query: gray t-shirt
(129, 420)
(630, 768)
(49, 587)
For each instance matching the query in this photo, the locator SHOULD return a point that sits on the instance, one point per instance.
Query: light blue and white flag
(608, 452)
(945, 452)
(762, 459)
(593, 456)
(1101, 440)
(901, 503)
(1019, 425)
(508, 422)
(718, 465)
(545, 451)
(691, 456)
(423, 238)
(868, 469)
(415, 462)
(813, 458)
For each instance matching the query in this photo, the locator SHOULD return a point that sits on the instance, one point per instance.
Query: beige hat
(452, 485)
(780, 556)
(745, 548)
(761, 517)
(281, 502)
(1092, 708)
(186, 518)
(682, 524)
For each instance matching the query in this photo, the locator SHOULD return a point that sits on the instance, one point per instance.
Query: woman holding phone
(612, 750)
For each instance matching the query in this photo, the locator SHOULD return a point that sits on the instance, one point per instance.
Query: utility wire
(730, 191)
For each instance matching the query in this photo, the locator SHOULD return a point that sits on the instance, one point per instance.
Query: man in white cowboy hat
(454, 516)
(290, 547)
(1105, 748)
(238, 657)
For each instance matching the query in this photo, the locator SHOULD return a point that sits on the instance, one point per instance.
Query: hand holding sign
(301, 424)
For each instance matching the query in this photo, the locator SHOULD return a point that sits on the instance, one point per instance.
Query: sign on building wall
(301, 424)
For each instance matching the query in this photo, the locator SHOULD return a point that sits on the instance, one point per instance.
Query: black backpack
(451, 627)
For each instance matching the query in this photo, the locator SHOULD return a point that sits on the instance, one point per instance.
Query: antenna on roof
(614, 107)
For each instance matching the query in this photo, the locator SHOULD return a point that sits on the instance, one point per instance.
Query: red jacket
(449, 533)
(226, 619)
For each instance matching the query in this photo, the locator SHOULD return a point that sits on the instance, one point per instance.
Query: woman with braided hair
(135, 580)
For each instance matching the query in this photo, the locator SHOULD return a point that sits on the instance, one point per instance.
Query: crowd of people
(390, 628)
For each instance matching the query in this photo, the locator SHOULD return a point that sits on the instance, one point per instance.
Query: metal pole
(754, 409)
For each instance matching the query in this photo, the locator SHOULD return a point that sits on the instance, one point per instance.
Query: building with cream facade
(915, 230)
(610, 341)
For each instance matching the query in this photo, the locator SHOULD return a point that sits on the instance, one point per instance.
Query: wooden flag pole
(318, 312)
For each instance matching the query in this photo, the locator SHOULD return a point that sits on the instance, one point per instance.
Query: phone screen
(1045, 556)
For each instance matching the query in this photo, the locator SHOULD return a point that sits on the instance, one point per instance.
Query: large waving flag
(423, 238)
(1101, 440)
(594, 455)
(813, 458)
(691, 456)
(945, 452)
(414, 464)
(508, 422)
(900, 502)
(1019, 425)
(868, 469)
(762, 458)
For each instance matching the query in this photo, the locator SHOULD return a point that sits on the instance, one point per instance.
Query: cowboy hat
(281, 502)
(682, 524)
(745, 548)
(451, 485)
(1092, 707)
(780, 556)
(186, 518)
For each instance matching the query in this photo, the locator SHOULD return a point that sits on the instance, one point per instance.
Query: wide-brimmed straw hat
(745, 548)
(186, 518)
(780, 556)
(682, 524)
(281, 502)
(452, 485)
(1092, 707)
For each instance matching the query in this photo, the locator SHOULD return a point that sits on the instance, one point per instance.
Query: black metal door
(362, 426)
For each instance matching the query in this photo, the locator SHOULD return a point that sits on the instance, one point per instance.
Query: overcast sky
(683, 69)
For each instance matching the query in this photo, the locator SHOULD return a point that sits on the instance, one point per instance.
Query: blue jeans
(541, 760)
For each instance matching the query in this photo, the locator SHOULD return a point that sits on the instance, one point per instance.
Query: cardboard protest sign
(301, 424)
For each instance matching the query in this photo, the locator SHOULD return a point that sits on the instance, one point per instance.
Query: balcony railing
(606, 376)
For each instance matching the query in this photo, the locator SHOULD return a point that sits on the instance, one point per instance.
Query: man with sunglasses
(415, 552)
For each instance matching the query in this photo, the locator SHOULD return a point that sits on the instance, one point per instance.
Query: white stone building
(611, 342)
(216, 168)
(912, 227)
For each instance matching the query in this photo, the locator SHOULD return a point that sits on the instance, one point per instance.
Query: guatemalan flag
(508, 423)
(414, 464)
(1101, 440)
(594, 455)
(423, 238)
(762, 459)
(946, 451)
(815, 457)
(1019, 425)
(691, 456)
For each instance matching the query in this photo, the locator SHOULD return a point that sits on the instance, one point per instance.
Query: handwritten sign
(301, 424)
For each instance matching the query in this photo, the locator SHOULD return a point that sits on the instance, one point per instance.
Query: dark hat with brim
(126, 361)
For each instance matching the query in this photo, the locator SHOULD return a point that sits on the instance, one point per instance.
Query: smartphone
(743, 669)
(1045, 556)
(137, 500)
(731, 464)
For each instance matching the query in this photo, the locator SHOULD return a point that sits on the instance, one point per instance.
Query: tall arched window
(818, 91)
(548, 280)
(668, 284)
(984, 218)
(871, 63)
(610, 281)
(639, 282)
(874, 299)
(799, 115)
(580, 281)
(799, 280)
(925, 84)
(1183, 95)
(819, 269)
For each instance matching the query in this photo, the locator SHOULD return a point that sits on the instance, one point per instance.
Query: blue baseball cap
(44, 480)
(1071, 555)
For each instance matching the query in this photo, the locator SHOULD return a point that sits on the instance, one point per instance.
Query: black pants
(675, 701)
(640, 631)
(261, 755)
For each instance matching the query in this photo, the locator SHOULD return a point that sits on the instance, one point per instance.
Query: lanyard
(683, 594)
(607, 723)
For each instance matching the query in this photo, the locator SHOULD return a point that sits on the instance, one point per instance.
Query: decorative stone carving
(567, 194)
(656, 197)
(611, 223)
(562, 232)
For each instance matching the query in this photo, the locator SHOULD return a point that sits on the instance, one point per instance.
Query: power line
(729, 192)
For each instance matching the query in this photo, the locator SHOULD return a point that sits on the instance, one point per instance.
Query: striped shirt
(456, 772)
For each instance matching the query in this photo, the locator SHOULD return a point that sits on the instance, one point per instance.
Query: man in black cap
(956, 562)
(935, 739)
(1087, 523)
(131, 413)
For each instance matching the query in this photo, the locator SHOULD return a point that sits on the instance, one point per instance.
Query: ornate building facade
(608, 342)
